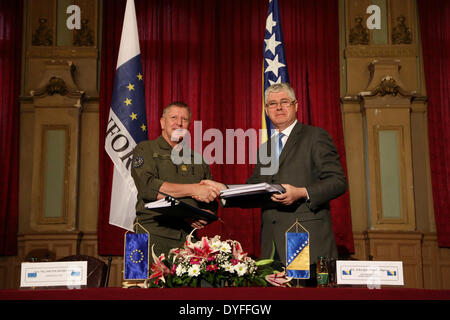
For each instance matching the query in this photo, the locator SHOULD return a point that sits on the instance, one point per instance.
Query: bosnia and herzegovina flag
(127, 122)
(136, 256)
(274, 66)
(297, 255)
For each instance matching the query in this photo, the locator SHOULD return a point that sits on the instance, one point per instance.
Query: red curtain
(110, 238)
(10, 62)
(209, 54)
(434, 17)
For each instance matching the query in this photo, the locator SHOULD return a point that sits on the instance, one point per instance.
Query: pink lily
(158, 268)
(173, 269)
(238, 253)
(203, 250)
(200, 249)
(278, 279)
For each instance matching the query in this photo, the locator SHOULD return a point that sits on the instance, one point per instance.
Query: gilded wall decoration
(387, 86)
(359, 34)
(401, 34)
(85, 36)
(42, 36)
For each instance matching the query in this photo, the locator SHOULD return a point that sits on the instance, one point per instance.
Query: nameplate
(370, 273)
(49, 274)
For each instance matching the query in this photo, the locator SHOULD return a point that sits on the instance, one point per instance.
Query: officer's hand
(205, 193)
(196, 224)
(291, 195)
(215, 184)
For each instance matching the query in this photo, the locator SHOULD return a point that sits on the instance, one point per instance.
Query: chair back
(96, 269)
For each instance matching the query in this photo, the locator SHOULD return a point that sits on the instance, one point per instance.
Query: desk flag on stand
(127, 122)
(297, 252)
(274, 64)
(136, 256)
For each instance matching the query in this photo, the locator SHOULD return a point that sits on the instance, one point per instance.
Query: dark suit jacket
(309, 159)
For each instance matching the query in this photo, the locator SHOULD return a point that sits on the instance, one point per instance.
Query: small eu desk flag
(297, 252)
(136, 256)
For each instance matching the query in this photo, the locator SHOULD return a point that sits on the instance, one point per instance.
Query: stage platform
(226, 294)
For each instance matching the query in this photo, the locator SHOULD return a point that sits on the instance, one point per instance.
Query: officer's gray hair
(277, 87)
(177, 104)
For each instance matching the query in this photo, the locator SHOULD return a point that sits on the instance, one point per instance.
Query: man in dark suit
(310, 171)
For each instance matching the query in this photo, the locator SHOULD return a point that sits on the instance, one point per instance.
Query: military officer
(153, 170)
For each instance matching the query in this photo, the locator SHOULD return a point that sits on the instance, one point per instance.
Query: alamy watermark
(236, 146)
(74, 20)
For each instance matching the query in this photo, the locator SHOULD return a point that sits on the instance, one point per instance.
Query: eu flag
(127, 122)
(274, 65)
(136, 257)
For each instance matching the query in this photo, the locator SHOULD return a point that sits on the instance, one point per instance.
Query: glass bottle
(332, 277)
(322, 272)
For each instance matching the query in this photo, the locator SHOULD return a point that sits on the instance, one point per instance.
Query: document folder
(180, 208)
(249, 195)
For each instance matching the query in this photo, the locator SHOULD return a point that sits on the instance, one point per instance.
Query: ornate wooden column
(58, 182)
(58, 104)
(384, 107)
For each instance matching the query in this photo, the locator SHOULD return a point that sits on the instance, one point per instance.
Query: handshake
(207, 190)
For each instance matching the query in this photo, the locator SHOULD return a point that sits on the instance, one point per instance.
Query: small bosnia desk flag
(297, 252)
(136, 256)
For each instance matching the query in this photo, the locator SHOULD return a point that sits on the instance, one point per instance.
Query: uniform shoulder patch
(138, 161)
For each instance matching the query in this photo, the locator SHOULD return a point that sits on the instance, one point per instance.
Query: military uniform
(152, 165)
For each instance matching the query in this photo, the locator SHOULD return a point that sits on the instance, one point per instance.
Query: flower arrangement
(215, 262)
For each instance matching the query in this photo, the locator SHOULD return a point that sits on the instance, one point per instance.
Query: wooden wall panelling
(430, 262)
(116, 276)
(399, 246)
(444, 267)
(423, 194)
(356, 161)
(361, 244)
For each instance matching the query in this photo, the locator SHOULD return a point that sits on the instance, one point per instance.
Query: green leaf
(264, 262)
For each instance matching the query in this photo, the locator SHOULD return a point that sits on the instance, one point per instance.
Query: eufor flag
(274, 66)
(127, 122)
(136, 256)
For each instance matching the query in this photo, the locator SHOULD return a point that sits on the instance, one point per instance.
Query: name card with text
(370, 273)
(46, 274)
